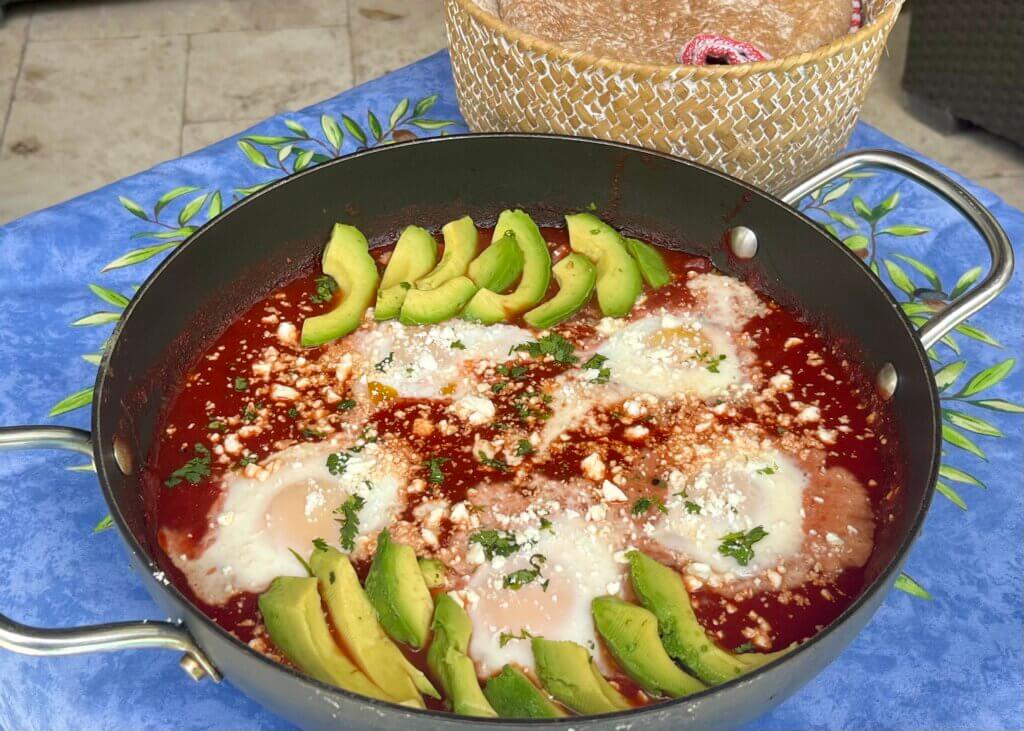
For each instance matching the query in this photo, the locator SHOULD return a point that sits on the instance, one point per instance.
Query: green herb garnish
(436, 476)
(560, 349)
(596, 363)
(337, 462)
(744, 648)
(382, 365)
(692, 508)
(192, 471)
(311, 433)
(325, 288)
(320, 544)
(515, 372)
(216, 425)
(346, 404)
(293, 413)
(491, 462)
(457, 345)
(711, 362)
(644, 504)
(770, 470)
(495, 542)
(241, 384)
(246, 460)
(740, 545)
(524, 448)
(349, 520)
(518, 579)
(504, 638)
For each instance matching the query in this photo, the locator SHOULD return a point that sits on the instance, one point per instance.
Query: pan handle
(27, 640)
(999, 247)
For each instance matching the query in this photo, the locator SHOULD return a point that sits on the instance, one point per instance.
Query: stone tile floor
(94, 90)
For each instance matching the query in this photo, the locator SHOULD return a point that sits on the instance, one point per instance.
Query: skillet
(265, 240)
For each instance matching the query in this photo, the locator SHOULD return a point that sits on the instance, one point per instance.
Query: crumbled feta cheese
(476, 410)
(280, 392)
(611, 492)
(593, 467)
(287, 334)
(809, 414)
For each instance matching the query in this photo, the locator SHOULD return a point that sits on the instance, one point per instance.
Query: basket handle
(1001, 252)
(27, 640)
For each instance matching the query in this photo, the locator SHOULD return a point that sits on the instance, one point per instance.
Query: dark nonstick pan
(260, 243)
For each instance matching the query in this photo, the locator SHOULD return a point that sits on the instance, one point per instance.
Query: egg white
(257, 521)
(735, 492)
(725, 301)
(580, 566)
(420, 362)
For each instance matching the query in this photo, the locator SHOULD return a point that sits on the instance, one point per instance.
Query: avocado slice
(631, 635)
(425, 306)
(434, 572)
(397, 591)
(498, 267)
(489, 306)
(415, 254)
(576, 277)
(513, 695)
(295, 621)
(360, 634)
(652, 264)
(460, 245)
(618, 275)
(662, 591)
(450, 663)
(568, 673)
(348, 262)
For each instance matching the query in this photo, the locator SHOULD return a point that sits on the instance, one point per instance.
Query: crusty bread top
(654, 31)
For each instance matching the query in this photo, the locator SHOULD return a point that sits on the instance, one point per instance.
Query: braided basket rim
(660, 72)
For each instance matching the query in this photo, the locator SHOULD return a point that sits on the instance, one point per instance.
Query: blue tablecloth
(65, 273)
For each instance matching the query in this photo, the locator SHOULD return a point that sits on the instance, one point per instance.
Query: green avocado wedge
(568, 673)
(576, 278)
(652, 264)
(661, 590)
(295, 621)
(398, 593)
(631, 635)
(460, 246)
(348, 262)
(359, 633)
(513, 695)
(428, 306)
(489, 306)
(414, 256)
(619, 282)
(434, 572)
(448, 660)
(499, 266)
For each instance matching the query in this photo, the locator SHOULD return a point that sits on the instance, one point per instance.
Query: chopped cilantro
(382, 365)
(560, 349)
(457, 345)
(769, 470)
(241, 384)
(246, 460)
(192, 471)
(518, 579)
(644, 504)
(301, 560)
(250, 412)
(346, 404)
(524, 448)
(312, 433)
(216, 425)
(293, 413)
(740, 545)
(349, 520)
(320, 544)
(692, 508)
(495, 542)
(545, 524)
(491, 462)
(515, 372)
(744, 648)
(337, 462)
(436, 476)
(325, 288)
(498, 386)
(505, 637)
(596, 363)
(711, 362)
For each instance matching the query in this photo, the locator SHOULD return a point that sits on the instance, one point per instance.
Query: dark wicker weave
(966, 58)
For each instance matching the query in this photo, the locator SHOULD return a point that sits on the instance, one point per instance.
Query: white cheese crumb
(593, 467)
(611, 492)
(280, 392)
(792, 343)
(809, 415)
(287, 333)
(476, 410)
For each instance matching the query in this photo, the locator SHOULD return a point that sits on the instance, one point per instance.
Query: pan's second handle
(995, 238)
(27, 640)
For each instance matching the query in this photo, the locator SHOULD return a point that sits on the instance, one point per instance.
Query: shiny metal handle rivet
(742, 242)
(887, 381)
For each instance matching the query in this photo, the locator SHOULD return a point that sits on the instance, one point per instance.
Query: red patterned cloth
(711, 48)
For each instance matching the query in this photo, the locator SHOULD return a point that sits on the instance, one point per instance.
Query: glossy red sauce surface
(797, 616)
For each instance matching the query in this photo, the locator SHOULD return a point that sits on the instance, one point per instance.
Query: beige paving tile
(13, 32)
(973, 152)
(86, 113)
(197, 135)
(73, 19)
(388, 34)
(250, 74)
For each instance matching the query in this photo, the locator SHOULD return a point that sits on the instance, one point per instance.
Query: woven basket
(768, 123)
